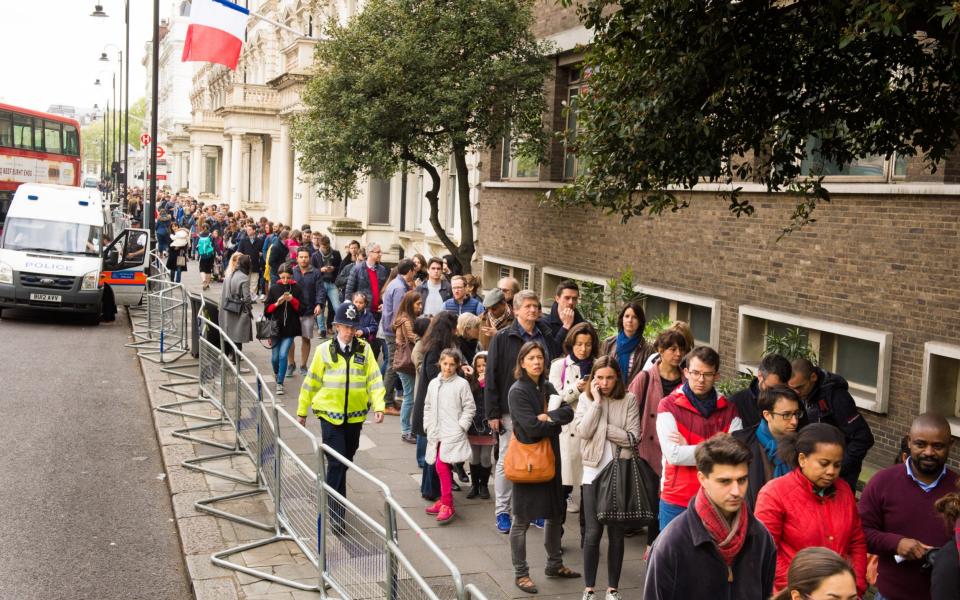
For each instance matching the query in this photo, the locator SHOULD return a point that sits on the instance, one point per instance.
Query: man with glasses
(692, 413)
(780, 414)
(897, 512)
(509, 286)
(773, 370)
(826, 399)
(496, 316)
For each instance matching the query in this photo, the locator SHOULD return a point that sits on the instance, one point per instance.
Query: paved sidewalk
(472, 542)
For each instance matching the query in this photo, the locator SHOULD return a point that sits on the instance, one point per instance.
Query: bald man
(897, 512)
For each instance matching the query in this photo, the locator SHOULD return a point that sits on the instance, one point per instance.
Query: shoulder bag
(621, 489)
(403, 356)
(267, 327)
(530, 463)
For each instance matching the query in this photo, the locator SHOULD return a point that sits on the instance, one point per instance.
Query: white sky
(50, 50)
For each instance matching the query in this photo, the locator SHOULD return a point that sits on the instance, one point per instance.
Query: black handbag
(621, 490)
(267, 328)
(234, 305)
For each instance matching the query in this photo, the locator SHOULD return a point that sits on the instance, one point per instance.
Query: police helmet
(347, 314)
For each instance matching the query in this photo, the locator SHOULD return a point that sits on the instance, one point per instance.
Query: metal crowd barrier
(163, 337)
(357, 553)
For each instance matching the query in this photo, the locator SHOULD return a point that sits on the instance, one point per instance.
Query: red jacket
(798, 518)
(680, 482)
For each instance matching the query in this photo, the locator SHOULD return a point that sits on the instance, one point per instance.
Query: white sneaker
(588, 595)
(280, 391)
(572, 505)
(613, 595)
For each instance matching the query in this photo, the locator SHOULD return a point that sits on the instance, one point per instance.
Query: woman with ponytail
(945, 577)
(819, 574)
(812, 506)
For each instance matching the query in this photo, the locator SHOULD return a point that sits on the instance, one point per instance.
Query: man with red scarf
(716, 548)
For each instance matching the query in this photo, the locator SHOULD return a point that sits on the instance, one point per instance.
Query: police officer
(342, 385)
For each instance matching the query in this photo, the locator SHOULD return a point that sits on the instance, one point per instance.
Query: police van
(55, 254)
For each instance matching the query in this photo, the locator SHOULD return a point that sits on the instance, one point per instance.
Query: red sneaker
(445, 515)
(435, 509)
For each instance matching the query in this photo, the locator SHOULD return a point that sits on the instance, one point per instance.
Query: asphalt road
(82, 511)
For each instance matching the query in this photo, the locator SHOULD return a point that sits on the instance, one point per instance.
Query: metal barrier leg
(206, 506)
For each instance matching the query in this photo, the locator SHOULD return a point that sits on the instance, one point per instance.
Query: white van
(52, 254)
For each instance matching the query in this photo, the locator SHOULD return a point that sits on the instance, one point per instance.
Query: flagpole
(282, 26)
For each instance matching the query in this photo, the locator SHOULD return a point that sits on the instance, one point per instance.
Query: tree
(410, 82)
(735, 91)
(91, 135)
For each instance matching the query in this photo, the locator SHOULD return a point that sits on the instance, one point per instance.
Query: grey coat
(239, 328)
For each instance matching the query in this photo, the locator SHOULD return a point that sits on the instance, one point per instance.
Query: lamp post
(98, 12)
(119, 143)
(113, 123)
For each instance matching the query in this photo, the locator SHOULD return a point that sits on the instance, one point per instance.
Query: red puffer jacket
(798, 518)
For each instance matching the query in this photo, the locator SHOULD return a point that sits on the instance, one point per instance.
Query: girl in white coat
(448, 412)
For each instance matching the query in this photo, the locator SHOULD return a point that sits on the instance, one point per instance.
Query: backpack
(205, 246)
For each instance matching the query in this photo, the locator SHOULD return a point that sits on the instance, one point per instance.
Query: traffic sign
(160, 152)
(144, 139)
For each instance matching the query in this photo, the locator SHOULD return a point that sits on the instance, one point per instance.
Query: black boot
(484, 479)
(474, 481)
(461, 473)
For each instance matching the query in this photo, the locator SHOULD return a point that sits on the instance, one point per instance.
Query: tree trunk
(467, 245)
(433, 197)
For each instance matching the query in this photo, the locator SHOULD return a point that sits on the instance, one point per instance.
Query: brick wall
(888, 262)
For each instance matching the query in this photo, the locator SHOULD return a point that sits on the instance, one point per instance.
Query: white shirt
(590, 473)
(434, 302)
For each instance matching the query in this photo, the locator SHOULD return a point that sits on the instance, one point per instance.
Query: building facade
(240, 136)
(873, 284)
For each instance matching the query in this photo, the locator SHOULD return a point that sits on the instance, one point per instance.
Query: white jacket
(448, 411)
(564, 375)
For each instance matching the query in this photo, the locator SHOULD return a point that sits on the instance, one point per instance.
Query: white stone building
(239, 135)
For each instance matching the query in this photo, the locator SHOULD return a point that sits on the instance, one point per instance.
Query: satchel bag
(181, 261)
(530, 463)
(621, 490)
(403, 356)
(267, 328)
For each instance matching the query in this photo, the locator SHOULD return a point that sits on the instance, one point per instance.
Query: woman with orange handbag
(528, 399)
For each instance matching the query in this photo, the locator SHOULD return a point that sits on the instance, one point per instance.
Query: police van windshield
(51, 236)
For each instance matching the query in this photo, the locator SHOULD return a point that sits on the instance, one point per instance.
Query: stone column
(285, 187)
(256, 170)
(235, 171)
(273, 200)
(225, 165)
(302, 196)
(196, 167)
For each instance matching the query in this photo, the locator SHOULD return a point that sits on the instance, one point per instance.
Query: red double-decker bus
(36, 147)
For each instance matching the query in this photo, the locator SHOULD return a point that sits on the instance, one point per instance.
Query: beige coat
(611, 421)
(448, 411)
(571, 464)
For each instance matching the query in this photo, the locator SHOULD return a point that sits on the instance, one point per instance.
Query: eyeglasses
(701, 375)
(505, 290)
(789, 416)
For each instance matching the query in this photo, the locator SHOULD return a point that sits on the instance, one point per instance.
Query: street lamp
(119, 143)
(98, 12)
(109, 143)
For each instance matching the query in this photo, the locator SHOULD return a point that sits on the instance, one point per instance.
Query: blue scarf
(706, 406)
(625, 348)
(769, 444)
(585, 365)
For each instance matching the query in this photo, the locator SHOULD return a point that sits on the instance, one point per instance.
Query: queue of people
(756, 493)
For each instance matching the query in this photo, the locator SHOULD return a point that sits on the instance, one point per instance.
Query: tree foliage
(412, 82)
(732, 90)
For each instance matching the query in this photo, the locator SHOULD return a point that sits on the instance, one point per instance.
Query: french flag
(216, 32)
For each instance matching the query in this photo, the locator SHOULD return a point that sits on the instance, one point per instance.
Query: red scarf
(729, 538)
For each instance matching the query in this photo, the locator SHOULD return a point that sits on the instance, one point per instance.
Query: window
(576, 86)
(940, 391)
(210, 174)
(551, 278)
(453, 200)
(23, 132)
(6, 129)
(861, 356)
(422, 204)
(379, 201)
(51, 137)
(701, 313)
(71, 141)
(495, 269)
(872, 167)
(517, 166)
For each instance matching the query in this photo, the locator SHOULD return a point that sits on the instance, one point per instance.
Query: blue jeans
(406, 409)
(175, 276)
(278, 357)
(333, 301)
(383, 369)
(669, 512)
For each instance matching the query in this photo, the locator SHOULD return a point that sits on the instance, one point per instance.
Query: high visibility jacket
(340, 389)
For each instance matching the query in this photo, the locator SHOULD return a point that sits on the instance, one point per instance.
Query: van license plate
(46, 298)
